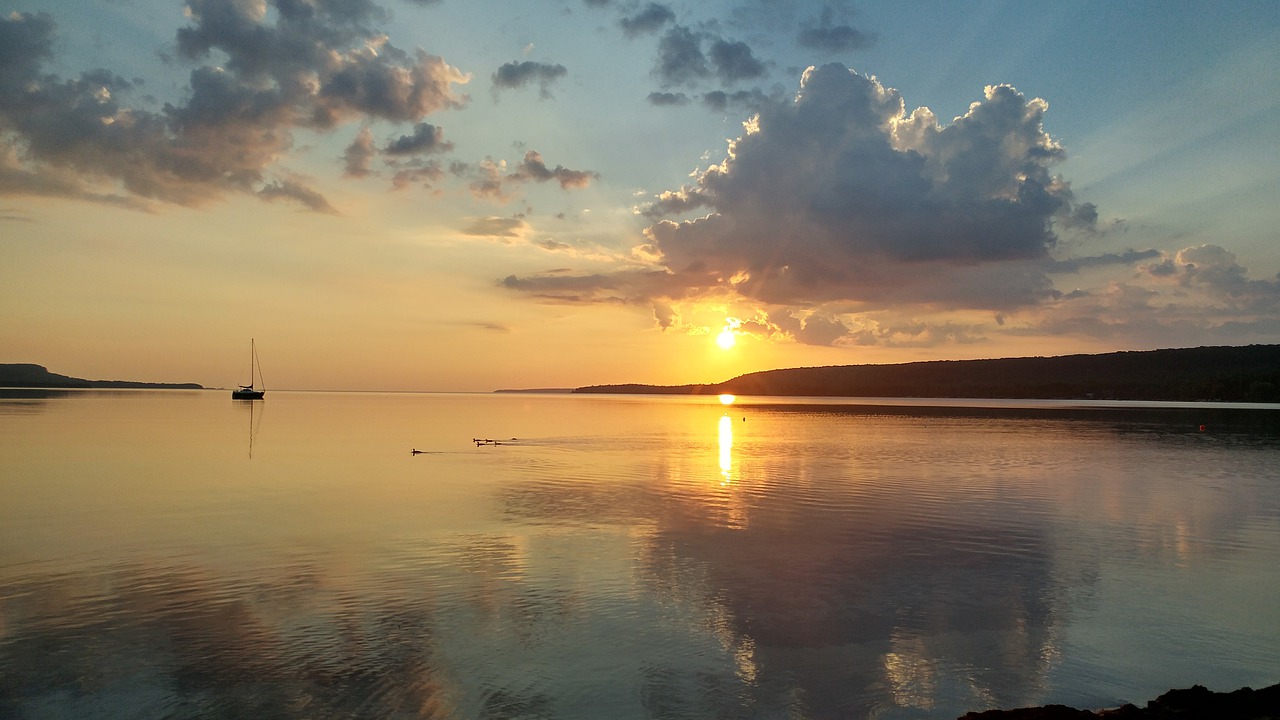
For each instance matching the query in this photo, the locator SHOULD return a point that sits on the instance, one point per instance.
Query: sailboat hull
(246, 394)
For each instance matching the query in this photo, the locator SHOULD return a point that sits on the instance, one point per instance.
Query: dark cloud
(26, 42)
(283, 65)
(426, 138)
(1128, 257)
(533, 168)
(489, 179)
(401, 155)
(631, 286)
(826, 34)
(1082, 217)
(666, 98)
(734, 61)
(325, 64)
(746, 100)
(680, 58)
(518, 74)
(648, 19)
(292, 189)
(841, 196)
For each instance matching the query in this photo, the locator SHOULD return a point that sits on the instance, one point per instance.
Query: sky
(438, 195)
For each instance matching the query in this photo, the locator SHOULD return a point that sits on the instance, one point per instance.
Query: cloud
(675, 202)
(682, 62)
(1128, 257)
(722, 101)
(680, 58)
(500, 227)
(359, 154)
(734, 61)
(491, 179)
(518, 74)
(401, 155)
(283, 66)
(840, 195)
(666, 98)
(1200, 291)
(489, 325)
(625, 287)
(326, 66)
(1214, 269)
(426, 173)
(812, 330)
(827, 35)
(533, 168)
(294, 189)
(426, 138)
(648, 19)
(56, 182)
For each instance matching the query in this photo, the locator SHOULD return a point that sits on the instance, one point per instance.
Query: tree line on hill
(30, 375)
(1228, 374)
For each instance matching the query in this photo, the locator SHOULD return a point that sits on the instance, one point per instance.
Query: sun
(726, 339)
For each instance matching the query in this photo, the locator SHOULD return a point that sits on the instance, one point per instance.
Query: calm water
(182, 555)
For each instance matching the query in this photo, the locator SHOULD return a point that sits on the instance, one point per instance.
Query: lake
(168, 554)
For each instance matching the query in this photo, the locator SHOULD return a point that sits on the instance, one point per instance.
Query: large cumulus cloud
(283, 65)
(839, 195)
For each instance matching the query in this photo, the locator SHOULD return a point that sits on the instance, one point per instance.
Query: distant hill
(37, 376)
(1229, 374)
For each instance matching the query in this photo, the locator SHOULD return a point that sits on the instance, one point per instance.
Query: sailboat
(248, 392)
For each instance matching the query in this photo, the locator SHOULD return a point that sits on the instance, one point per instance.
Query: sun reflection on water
(726, 449)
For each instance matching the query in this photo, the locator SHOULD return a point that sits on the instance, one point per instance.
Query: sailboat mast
(257, 364)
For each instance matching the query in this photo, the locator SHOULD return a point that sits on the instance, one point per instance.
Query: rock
(1194, 703)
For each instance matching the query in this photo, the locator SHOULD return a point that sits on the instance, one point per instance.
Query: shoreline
(1195, 702)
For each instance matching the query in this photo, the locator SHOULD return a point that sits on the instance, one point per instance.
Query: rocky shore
(1194, 703)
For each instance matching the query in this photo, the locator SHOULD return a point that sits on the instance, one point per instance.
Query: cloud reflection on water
(825, 587)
